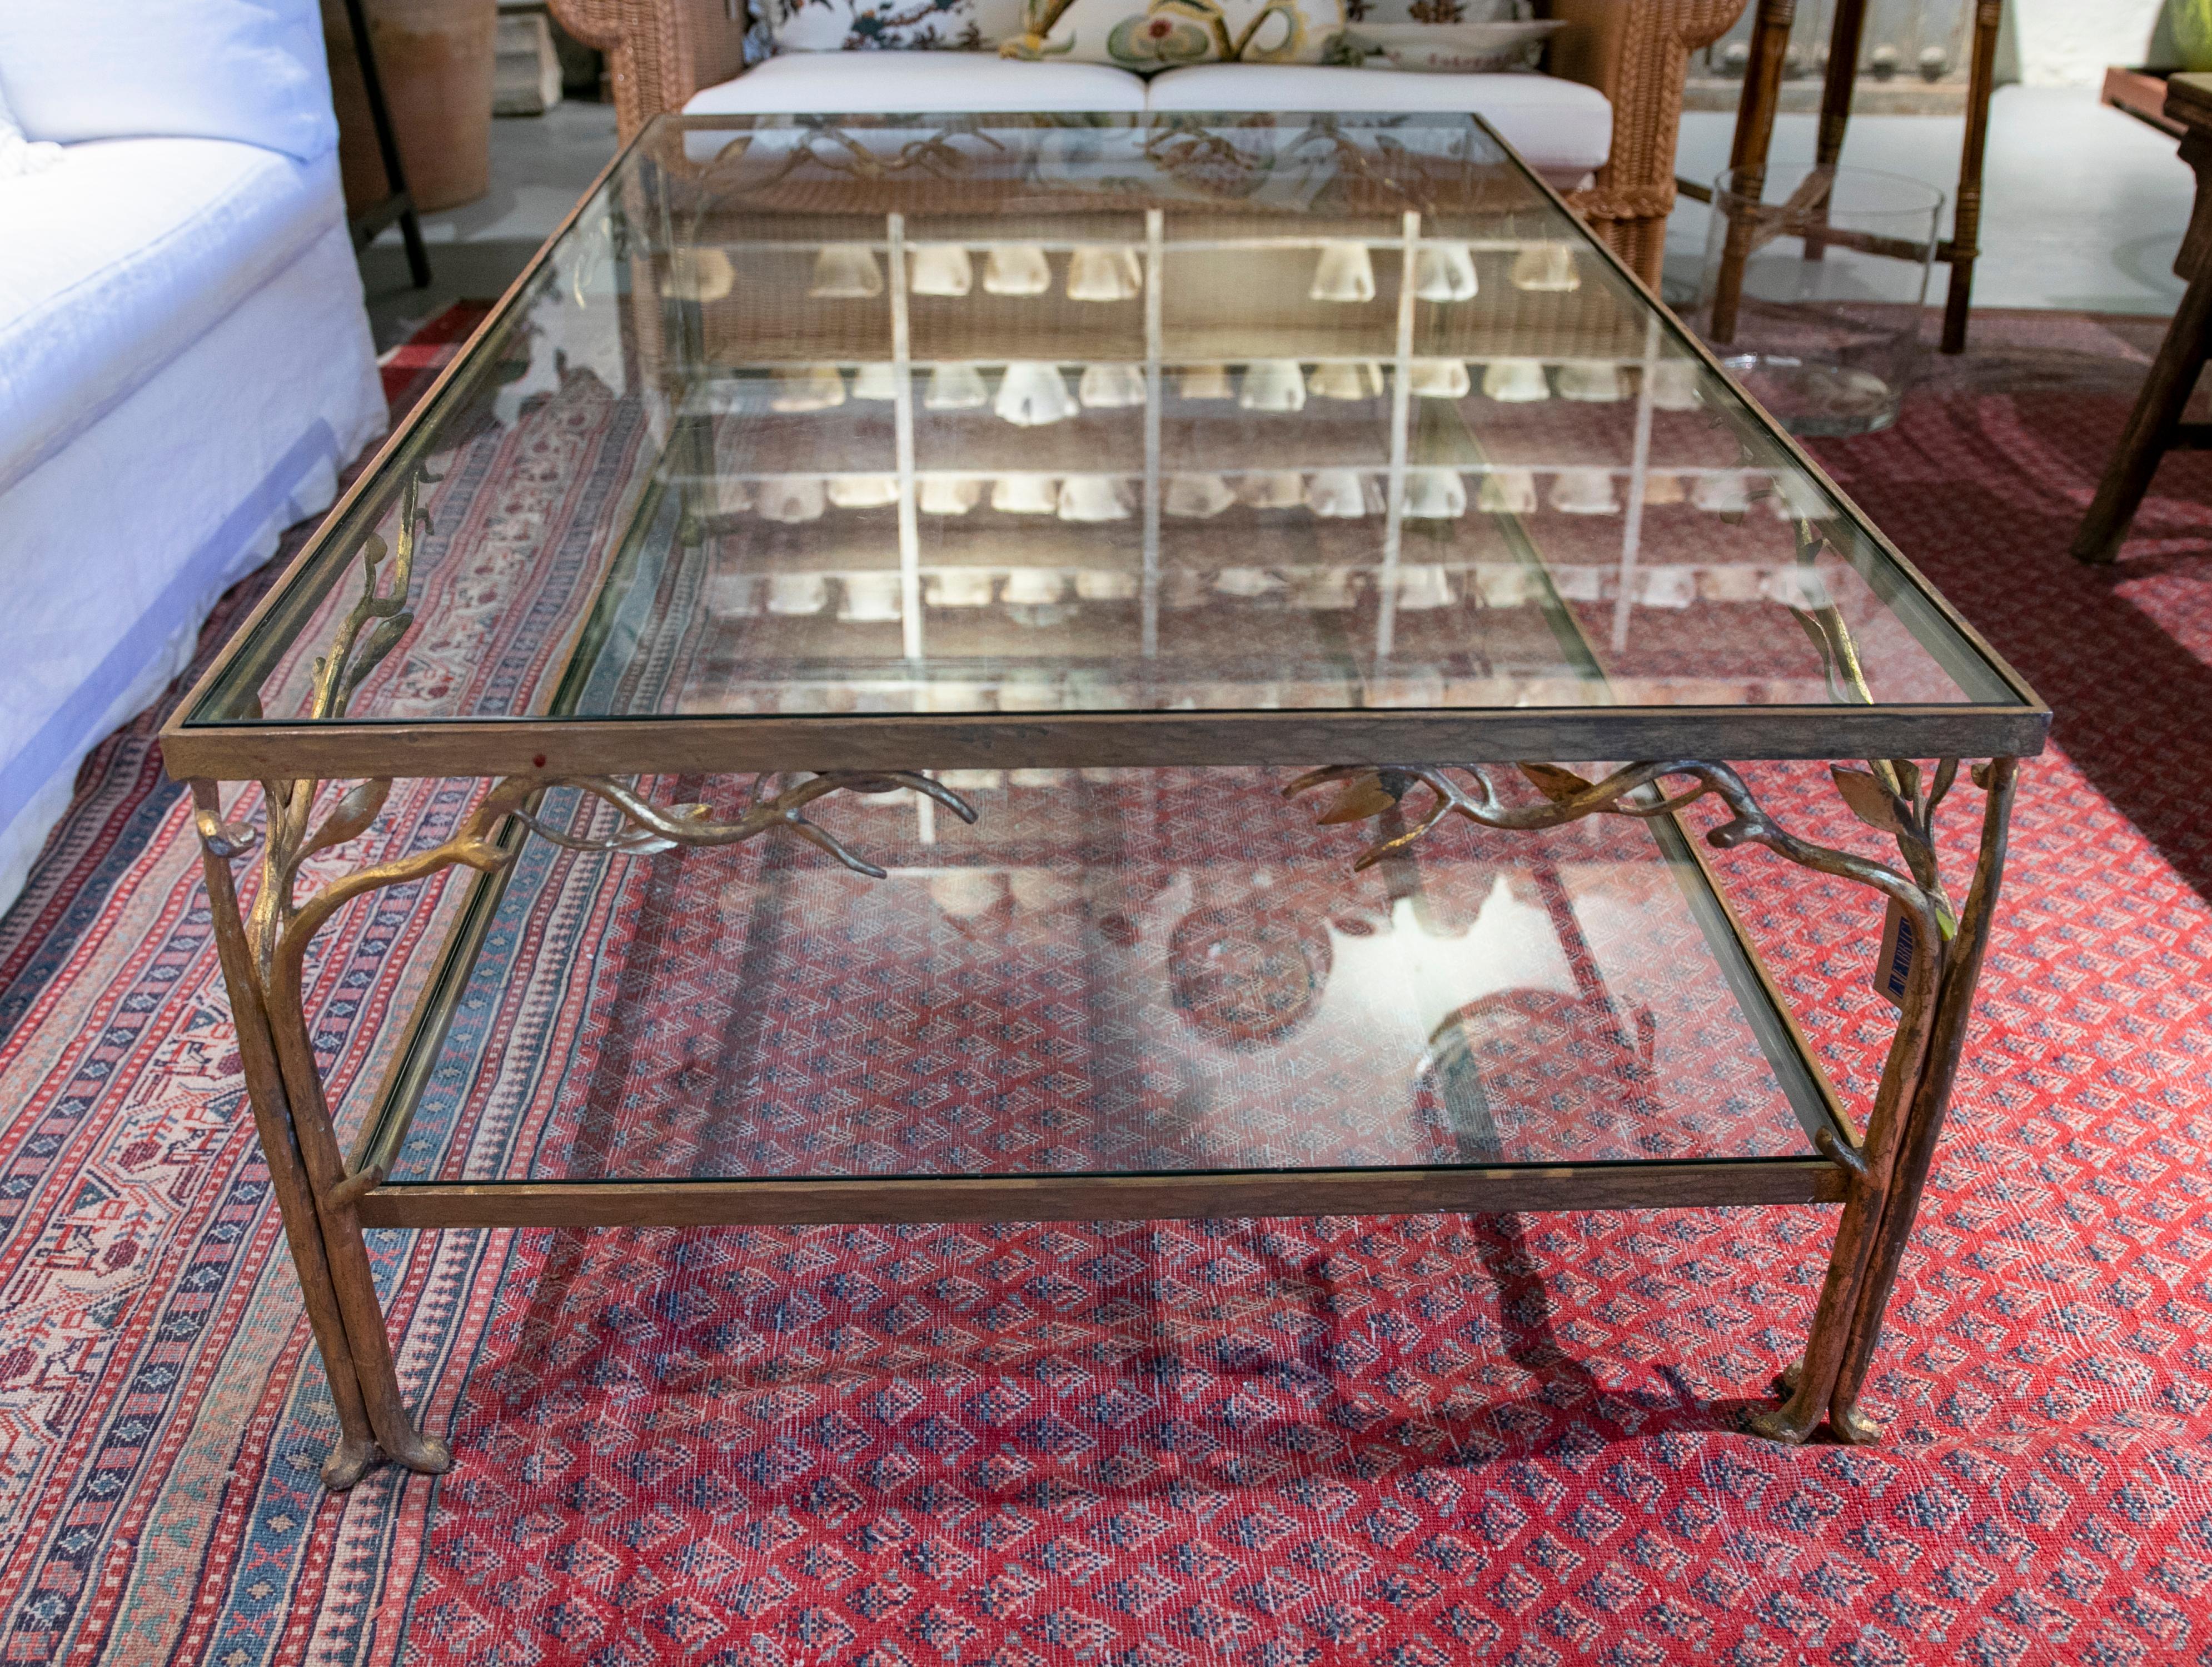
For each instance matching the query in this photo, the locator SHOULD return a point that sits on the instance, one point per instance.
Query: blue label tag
(1900, 942)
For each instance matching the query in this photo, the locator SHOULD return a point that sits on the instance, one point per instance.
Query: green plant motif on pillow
(1170, 31)
(1277, 35)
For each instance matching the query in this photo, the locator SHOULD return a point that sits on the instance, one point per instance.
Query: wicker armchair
(1636, 52)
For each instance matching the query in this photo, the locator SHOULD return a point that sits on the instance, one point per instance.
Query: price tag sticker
(1901, 943)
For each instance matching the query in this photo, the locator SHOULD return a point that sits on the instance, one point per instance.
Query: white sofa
(184, 360)
(1601, 123)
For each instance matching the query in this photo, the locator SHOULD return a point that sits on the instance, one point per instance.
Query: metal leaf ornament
(1363, 797)
(1555, 784)
(1869, 801)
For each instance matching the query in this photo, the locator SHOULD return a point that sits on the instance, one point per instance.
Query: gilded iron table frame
(328, 1196)
(327, 1199)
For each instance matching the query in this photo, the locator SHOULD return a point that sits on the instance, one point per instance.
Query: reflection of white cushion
(1561, 128)
(116, 260)
(252, 70)
(814, 83)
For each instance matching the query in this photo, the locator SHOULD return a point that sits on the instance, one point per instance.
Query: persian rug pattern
(1407, 1440)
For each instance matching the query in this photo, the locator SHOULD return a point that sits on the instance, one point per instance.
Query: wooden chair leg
(1754, 132)
(2150, 427)
(1844, 37)
(1967, 212)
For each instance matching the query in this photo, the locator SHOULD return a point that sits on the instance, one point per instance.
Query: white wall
(2069, 43)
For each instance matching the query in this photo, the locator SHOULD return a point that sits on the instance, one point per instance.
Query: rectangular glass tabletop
(1112, 973)
(928, 442)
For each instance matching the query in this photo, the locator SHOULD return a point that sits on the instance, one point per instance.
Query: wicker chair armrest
(660, 52)
(1636, 52)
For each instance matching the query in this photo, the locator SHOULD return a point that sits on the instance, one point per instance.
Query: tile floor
(539, 166)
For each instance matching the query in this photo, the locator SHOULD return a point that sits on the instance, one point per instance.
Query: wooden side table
(1754, 132)
(2155, 426)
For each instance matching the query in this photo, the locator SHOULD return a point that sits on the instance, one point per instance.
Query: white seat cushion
(122, 256)
(831, 83)
(1561, 128)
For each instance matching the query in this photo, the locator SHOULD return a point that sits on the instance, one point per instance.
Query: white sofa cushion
(831, 83)
(121, 257)
(17, 153)
(1561, 128)
(253, 71)
(113, 549)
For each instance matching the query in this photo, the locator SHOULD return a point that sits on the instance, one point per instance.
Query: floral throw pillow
(844, 26)
(1163, 34)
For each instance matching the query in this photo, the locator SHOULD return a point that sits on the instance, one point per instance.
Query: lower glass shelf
(1125, 973)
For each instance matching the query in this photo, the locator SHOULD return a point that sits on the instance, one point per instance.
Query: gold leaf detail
(354, 812)
(1870, 802)
(1555, 784)
(1363, 797)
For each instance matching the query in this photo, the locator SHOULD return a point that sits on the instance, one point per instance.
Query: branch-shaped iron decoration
(1356, 161)
(1892, 796)
(279, 927)
(1637, 791)
(1888, 796)
(282, 928)
(656, 827)
(1823, 622)
(338, 674)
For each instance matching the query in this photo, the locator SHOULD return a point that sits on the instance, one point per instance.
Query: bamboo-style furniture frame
(2155, 427)
(1876, 1167)
(1755, 134)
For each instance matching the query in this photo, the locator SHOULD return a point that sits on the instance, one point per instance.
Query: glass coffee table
(1036, 667)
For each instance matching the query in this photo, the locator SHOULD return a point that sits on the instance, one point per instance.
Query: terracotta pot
(435, 58)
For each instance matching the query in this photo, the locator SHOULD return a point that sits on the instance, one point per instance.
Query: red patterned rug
(1424, 1440)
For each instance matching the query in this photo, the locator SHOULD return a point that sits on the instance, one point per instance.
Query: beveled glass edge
(1655, 1184)
(933, 1178)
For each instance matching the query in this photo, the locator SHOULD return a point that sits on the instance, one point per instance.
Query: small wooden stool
(2155, 426)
